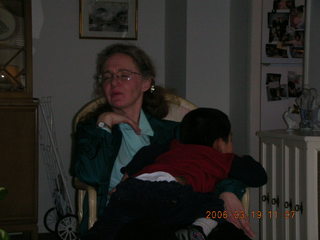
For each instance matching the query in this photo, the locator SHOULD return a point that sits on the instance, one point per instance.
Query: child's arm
(144, 157)
(248, 171)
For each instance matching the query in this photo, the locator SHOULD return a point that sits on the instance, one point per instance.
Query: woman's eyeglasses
(123, 75)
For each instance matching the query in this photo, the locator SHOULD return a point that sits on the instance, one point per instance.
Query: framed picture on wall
(108, 19)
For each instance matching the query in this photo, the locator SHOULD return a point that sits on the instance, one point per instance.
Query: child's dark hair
(203, 126)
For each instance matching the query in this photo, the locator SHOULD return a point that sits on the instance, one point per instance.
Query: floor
(47, 236)
(41, 236)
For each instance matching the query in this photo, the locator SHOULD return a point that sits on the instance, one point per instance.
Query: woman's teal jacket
(95, 151)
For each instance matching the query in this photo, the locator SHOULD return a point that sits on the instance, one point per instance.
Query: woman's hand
(112, 191)
(236, 213)
(112, 118)
(124, 177)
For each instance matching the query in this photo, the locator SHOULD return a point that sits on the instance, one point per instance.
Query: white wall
(239, 74)
(64, 65)
(314, 50)
(176, 46)
(208, 56)
(217, 61)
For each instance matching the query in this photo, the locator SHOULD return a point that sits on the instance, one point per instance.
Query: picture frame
(109, 19)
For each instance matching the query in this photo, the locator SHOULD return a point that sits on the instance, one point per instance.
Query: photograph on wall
(283, 31)
(115, 19)
(283, 4)
(283, 91)
(297, 20)
(296, 44)
(272, 50)
(295, 84)
(273, 86)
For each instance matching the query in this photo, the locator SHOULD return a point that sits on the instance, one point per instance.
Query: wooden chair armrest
(92, 198)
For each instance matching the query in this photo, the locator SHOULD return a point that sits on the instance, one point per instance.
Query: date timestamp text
(252, 214)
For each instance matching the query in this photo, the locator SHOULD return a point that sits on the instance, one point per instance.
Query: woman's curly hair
(154, 102)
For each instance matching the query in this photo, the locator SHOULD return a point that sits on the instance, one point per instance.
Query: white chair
(178, 107)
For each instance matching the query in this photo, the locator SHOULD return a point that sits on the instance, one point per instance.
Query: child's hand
(223, 146)
(228, 148)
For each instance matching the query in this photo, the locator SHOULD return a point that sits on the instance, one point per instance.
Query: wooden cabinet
(290, 200)
(18, 122)
(19, 166)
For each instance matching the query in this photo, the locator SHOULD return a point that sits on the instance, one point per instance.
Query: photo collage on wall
(286, 25)
(280, 87)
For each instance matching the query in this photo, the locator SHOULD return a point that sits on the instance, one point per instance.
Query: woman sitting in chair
(107, 139)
